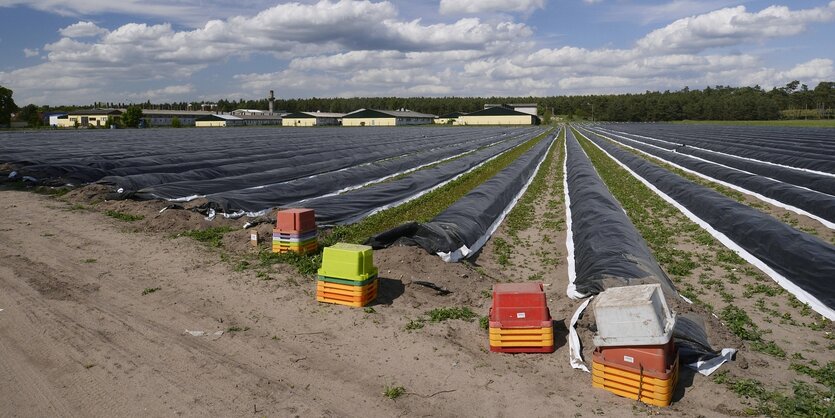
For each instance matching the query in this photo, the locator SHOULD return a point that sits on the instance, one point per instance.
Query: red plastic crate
(519, 305)
(655, 361)
(295, 221)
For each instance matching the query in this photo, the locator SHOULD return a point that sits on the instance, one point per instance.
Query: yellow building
(497, 115)
(371, 117)
(89, 118)
(448, 119)
(311, 119)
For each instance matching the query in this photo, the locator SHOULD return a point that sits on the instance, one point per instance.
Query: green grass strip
(647, 211)
(523, 214)
(431, 204)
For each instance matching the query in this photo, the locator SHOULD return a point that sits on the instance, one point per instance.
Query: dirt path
(79, 338)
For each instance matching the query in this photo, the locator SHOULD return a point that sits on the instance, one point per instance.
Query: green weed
(212, 236)
(443, 314)
(394, 392)
(125, 217)
(149, 290)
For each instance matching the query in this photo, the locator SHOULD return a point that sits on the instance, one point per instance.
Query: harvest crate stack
(635, 356)
(295, 231)
(347, 276)
(520, 321)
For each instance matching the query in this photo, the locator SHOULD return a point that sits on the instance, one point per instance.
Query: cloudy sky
(82, 51)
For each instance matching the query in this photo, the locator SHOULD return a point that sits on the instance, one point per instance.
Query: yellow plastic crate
(521, 337)
(347, 290)
(355, 301)
(633, 385)
(348, 261)
(301, 249)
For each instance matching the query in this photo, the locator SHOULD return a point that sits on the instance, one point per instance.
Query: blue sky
(78, 52)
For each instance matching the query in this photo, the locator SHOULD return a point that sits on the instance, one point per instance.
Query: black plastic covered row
(817, 182)
(816, 203)
(804, 260)
(461, 230)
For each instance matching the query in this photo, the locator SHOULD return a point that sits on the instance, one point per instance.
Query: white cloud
(592, 1)
(29, 53)
(82, 30)
(363, 48)
(487, 6)
(168, 93)
(733, 26)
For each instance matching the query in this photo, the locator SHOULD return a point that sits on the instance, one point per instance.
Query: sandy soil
(79, 338)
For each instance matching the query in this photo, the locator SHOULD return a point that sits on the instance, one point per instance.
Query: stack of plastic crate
(347, 276)
(520, 321)
(295, 231)
(635, 355)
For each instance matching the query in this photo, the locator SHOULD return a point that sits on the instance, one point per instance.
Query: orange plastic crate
(295, 221)
(650, 358)
(519, 305)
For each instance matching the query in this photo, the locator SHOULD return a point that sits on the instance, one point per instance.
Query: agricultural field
(136, 290)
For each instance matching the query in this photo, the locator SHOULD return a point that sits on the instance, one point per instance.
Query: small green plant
(484, 322)
(414, 324)
(394, 392)
(443, 314)
(212, 236)
(369, 310)
(236, 328)
(241, 266)
(502, 250)
(125, 217)
(90, 260)
(149, 290)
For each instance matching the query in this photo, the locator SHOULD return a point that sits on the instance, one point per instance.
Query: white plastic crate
(632, 315)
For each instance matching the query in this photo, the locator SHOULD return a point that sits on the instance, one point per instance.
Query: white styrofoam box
(632, 315)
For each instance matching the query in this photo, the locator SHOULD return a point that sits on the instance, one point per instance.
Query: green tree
(175, 122)
(30, 115)
(132, 116)
(7, 106)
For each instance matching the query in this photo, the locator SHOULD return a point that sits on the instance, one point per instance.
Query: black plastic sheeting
(804, 260)
(817, 182)
(350, 207)
(608, 250)
(283, 193)
(289, 165)
(460, 230)
(809, 148)
(816, 203)
(241, 170)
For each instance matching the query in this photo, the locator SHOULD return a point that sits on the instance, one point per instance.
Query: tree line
(792, 101)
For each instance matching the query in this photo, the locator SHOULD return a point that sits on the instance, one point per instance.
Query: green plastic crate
(348, 261)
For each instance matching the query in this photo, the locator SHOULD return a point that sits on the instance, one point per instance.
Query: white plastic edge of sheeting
(740, 189)
(705, 160)
(785, 283)
(575, 348)
(464, 251)
(421, 193)
(407, 171)
(822, 173)
(571, 290)
(261, 186)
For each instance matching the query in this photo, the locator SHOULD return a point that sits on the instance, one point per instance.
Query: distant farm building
(218, 121)
(449, 118)
(529, 108)
(372, 117)
(89, 118)
(166, 117)
(498, 115)
(312, 119)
